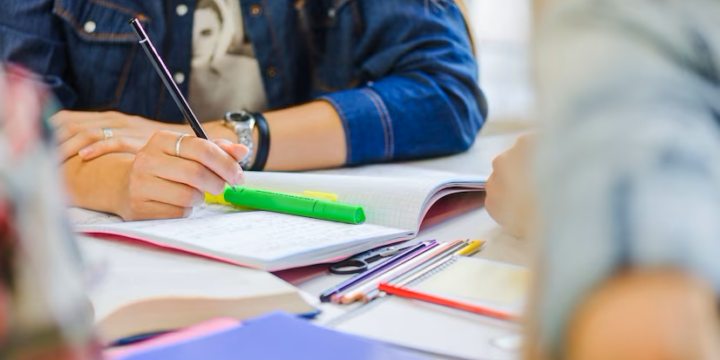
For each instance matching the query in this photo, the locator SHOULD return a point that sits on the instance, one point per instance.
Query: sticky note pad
(479, 279)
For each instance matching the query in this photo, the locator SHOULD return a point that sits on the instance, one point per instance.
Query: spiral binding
(434, 272)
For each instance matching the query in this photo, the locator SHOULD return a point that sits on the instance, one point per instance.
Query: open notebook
(395, 200)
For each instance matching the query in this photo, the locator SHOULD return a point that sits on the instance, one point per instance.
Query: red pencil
(412, 294)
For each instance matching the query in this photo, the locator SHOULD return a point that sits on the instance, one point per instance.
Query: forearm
(309, 136)
(96, 184)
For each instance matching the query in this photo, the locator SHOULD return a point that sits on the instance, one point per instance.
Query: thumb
(237, 151)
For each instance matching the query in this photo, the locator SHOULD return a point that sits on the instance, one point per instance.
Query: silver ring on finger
(107, 133)
(177, 144)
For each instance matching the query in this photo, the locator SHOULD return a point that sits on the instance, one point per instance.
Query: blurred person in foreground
(44, 313)
(628, 168)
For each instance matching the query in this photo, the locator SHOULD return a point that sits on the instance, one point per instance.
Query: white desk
(440, 330)
(433, 328)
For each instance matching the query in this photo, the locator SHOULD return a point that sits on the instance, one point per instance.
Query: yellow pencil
(472, 248)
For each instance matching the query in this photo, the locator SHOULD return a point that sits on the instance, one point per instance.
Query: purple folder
(276, 336)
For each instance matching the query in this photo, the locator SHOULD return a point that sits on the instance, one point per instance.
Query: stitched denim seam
(369, 93)
(279, 57)
(120, 85)
(132, 12)
(391, 132)
(359, 24)
(67, 15)
(125, 75)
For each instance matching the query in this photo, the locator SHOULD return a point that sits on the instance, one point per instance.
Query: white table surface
(419, 324)
(431, 328)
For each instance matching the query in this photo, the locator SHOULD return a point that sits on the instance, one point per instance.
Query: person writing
(338, 84)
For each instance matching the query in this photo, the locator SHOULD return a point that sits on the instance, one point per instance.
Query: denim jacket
(400, 73)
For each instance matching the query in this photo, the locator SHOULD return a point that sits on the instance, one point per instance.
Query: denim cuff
(367, 124)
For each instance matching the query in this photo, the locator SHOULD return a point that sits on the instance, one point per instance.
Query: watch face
(236, 116)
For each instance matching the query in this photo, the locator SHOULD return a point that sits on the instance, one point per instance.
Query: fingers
(205, 153)
(66, 132)
(149, 210)
(237, 151)
(188, 172)
(114, 144)
(163, 185)
(66, 116)
(69, 123)
(150, 197)
(81, 140)
(169, 192)
(492, 204)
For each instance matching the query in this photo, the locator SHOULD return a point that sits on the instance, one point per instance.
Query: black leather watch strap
(262, 148)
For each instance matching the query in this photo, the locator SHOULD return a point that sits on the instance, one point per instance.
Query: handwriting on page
(80, 216)
(256, 234)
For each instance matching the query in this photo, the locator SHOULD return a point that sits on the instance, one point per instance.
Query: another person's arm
(510, 198)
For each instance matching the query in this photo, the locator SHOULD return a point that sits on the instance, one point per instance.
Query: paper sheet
(393, 208)
(394, 201)
(259, 235)
(482, 280)
(433, 328)
(80, 216)
(136, 273)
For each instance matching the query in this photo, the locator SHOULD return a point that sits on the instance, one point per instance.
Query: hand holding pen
(171, 173)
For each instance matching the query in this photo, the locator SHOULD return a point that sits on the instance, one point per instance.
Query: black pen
(167, 79)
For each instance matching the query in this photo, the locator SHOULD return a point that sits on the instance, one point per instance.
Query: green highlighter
(295, 204)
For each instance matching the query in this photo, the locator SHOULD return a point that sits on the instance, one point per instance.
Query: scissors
(361, 262)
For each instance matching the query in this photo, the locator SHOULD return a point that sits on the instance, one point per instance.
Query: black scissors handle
(349, 266)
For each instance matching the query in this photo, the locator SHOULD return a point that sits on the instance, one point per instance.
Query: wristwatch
(242, 123)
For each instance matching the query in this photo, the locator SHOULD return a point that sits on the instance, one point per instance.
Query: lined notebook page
(392, 195)
(394, 201)
(80, 216)
(257, 238)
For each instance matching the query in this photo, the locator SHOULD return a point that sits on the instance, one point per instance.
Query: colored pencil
(417, 295)
(472, 248)
(358, 292)
(378, 269)
(410, 267)
(368, 291)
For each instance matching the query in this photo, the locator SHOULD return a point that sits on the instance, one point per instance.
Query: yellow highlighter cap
(320, 195)
(219, 199)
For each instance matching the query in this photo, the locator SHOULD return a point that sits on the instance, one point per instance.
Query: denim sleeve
(426, 101)
(629, 162)
(30, 35)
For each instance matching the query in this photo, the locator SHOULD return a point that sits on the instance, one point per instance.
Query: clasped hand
(167, 176)
(83, 133)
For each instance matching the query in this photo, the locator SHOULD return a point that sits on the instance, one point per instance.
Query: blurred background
(502, 29)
